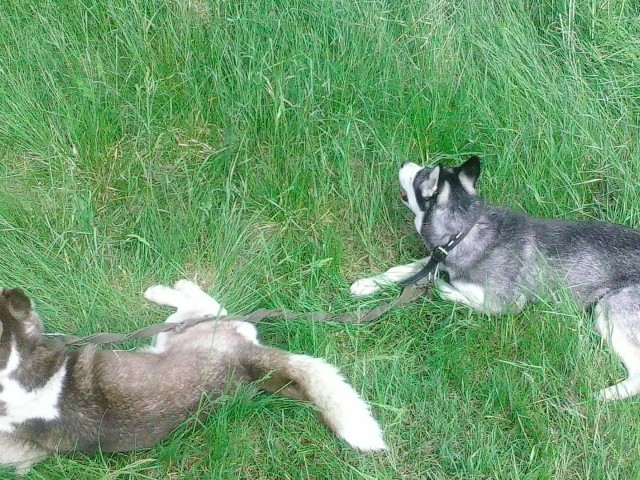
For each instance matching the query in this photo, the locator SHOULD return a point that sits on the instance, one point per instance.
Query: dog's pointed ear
(21, 307)
(468, 174)
(18, 303)
(430, 184)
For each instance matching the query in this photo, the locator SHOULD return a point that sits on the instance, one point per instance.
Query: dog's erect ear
(430, 184)
(468, 174)
(17, 302)
(21, 308)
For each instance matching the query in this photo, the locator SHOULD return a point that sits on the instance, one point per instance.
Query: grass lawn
(254, 147)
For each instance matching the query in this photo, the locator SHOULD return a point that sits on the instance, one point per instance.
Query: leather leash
(413, 288)
(408, 295)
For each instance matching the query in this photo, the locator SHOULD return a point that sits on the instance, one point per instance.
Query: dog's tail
(308, 378)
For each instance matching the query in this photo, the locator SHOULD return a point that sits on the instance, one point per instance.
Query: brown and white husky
(54, 399)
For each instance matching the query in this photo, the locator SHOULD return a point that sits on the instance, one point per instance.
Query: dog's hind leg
(617, 319)
(370, 285)
(208, 305)
(189, 301)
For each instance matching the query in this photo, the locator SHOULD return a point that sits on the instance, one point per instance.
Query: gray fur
(509, 259)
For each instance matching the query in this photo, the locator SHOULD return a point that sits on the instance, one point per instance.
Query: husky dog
(506, 259)
(56, 400)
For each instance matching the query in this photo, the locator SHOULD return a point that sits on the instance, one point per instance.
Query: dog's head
(18, 319)
(426, 189)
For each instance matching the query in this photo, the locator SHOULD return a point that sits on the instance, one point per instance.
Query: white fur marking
(21, 404)
(406, 175)
(166, 296)
(467, 184)
(18, 454)
(468, 294)
(625, 389)
(445, 191)
(12, 362)
(418, 221)
(473, 292)
(601, 322)
(247, 330)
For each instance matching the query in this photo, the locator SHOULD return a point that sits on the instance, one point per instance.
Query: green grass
(254, 147)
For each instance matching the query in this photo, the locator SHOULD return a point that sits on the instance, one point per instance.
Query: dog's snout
(403, 164)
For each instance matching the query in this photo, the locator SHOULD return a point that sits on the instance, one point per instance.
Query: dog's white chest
(21, 404)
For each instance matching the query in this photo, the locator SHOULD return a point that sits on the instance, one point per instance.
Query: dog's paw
(365, 286)
(166, 296)
(200, 299)
(625, 389)
(447, 292)
(188, 287)
(610, 393)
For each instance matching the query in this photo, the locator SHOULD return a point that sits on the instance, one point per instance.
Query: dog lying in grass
(504, 260)
(53, 399)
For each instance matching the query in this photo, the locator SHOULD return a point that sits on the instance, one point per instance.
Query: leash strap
(408, 295)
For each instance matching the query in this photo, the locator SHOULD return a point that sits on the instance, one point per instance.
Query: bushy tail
(308, 378)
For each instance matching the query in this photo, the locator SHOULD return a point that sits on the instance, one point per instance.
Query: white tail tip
(339, 404)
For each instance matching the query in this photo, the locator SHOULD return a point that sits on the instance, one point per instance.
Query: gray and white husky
(55, 400)
(507, 259)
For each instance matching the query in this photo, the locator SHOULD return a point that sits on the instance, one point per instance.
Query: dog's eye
(403, 195)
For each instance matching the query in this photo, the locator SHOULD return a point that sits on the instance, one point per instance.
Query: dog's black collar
(438, 255)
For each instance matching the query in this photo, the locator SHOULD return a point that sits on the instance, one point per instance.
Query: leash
(408, 295)
(413, 288)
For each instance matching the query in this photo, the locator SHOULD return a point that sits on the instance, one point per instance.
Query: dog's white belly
(22, 404)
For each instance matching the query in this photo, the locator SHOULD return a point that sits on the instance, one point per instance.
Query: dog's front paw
(161, 295)
(365, 286)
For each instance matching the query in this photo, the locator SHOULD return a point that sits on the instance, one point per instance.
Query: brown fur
(124, 400)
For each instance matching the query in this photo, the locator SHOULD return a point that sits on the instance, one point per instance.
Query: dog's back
(511, 250)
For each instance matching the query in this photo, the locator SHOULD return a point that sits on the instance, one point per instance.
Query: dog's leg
(166, 296)
(475, 296)
(367, 286)
(209, 306)
(618, 321)
(468, 294)
(199, 297)
(189, 301)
